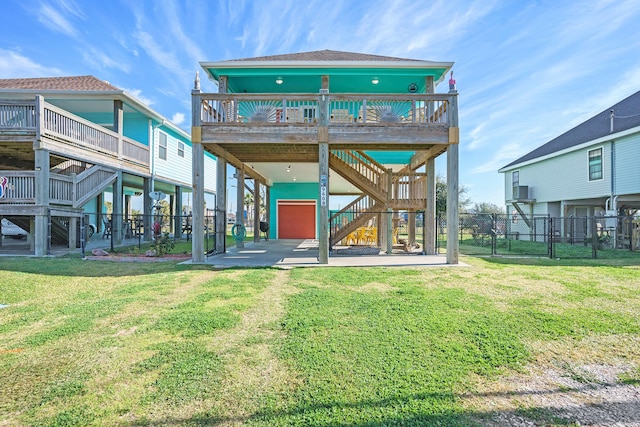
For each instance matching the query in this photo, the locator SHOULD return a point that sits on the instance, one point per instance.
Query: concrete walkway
(304, 253)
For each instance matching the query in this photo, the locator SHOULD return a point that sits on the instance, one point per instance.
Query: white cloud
(54, 17)
(501, 157)
(178, 118)
(99, 59)
(137, 93)
(15, 65)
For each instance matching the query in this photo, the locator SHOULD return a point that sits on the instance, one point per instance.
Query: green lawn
(103, 343)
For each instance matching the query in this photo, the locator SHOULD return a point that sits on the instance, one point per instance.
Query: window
(180, 149)
(595, 164)
(162, 146)
(515, 184)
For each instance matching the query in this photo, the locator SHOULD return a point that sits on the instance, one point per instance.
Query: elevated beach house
(590, 170)
(314, 125)
(71, 145)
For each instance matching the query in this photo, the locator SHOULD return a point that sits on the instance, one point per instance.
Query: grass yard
(148, 344)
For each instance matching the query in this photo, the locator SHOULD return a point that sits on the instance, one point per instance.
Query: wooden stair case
(401, 190)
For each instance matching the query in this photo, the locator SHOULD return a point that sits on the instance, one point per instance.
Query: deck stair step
(356, 214)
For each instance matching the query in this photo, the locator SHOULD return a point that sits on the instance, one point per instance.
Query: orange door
(296, 220)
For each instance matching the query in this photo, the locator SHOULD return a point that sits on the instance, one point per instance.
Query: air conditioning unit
(521, 192)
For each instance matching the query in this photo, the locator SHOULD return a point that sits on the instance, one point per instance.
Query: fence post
(552, 247)
(494, 232)
(594, 237)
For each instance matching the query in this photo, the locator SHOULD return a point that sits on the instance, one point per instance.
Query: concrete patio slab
(304, 253)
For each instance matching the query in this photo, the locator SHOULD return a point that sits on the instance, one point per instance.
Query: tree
(487, 208)
(441, 197)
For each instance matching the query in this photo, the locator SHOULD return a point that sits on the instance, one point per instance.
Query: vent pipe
(611, 122)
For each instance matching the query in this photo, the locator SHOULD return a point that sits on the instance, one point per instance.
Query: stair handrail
(90, 182)
(366, 167)
(408, 187)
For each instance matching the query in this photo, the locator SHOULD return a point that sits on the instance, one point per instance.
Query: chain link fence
(544, 236)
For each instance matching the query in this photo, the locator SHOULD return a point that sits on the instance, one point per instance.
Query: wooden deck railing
(409, 188)
(17, 115)
(20, 189)
(344, 109)
(63, 126)
(68, 190)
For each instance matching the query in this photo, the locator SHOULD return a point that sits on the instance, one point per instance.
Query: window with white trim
(515, 183)
(180, 149)
(595, 164)
(162, 146)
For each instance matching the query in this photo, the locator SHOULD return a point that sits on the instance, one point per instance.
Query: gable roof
(626, 115)
(349, 72)
(325, 55)
(74, 83)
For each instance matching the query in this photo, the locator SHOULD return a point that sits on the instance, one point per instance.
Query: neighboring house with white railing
(70, 145)
(590, 170)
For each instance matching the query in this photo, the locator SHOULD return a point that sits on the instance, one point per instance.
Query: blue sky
(526, 71)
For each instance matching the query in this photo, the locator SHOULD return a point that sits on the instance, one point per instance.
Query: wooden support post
(197, 177)
(118, 117)
(452, 180)
(389, 215)
(411, 225)
(240, 205)
(389, 231)
(197, 219)
(73, 232)
(221, 205)
(267, 207)
(42, 174)
(178, 219)
(323, 179)
(430, 226)
(147, 206)
(256, 210)
(117, 216)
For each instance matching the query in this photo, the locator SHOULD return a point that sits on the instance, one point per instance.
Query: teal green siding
(290, 191)
(391, 157)
(136, 127)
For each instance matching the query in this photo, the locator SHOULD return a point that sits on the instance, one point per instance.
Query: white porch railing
(63, 189)
(63, 126)
(17, 115)
(343, 108)
(135, 151)
(20, 189)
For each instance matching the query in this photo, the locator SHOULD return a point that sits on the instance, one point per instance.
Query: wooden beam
(218, 151)
(421, 157)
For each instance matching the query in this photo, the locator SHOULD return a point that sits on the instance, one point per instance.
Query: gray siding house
(590, 170)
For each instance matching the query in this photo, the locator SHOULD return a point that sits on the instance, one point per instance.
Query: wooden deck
(25, 125)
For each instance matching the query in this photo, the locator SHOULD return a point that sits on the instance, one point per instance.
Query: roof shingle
(74, 83)
(325, 55)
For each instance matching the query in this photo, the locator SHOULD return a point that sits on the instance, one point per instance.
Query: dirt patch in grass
(252, 369)
(570, 382)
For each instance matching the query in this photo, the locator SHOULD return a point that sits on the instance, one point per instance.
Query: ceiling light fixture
(289, 168)
(279, 80)
(375, 81)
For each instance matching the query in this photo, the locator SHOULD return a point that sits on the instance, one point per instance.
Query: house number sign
(323, 190)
